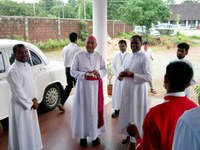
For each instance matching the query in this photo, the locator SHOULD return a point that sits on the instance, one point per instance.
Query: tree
(171, 2)
(191, 1)
(57, 9)
(114, 5)
(70, 12)
(11, 8)
(80, 9)
(89, 9)
(48, 4)
(72, 2)
(145, 12)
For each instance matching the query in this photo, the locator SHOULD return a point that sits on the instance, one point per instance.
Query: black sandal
(83, 142)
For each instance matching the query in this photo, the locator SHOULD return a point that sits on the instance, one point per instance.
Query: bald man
(88, 67)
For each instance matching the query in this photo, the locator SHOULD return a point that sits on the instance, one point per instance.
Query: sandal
(153, 91)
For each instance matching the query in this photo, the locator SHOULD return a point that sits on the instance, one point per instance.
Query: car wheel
(51, 97)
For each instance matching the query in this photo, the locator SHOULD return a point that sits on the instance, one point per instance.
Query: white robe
(134, 93)
(186, 134)
(117, 67)
(84, 119)
(24, 132)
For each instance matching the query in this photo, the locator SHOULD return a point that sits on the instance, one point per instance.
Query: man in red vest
(160, 121)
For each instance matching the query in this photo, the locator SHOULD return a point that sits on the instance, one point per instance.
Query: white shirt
(148, 53)
(187, 132)
(117, 62)
(117, 67)
(69, 52)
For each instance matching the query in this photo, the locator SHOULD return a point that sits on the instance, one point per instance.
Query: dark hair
(146, 42)
(179, 74)
(122, 41)
(73, 37)
(137, 37)
(184, 46)
(17, 47)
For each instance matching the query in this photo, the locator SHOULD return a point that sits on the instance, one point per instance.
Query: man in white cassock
(87, 119)
(182, 51)
(117, 67)
(137, 71)
(24, 131)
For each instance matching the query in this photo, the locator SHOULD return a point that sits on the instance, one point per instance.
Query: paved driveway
(162, 58)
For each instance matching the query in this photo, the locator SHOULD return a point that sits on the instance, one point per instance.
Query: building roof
(187, 11)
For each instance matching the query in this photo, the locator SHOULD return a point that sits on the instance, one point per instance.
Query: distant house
(187, 14)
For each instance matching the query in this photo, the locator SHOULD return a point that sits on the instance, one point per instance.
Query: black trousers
(71, 82)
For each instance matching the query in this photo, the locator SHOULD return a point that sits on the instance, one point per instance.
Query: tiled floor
(56, 131)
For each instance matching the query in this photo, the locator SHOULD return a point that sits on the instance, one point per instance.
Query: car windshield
(164, 26)
(140, 28)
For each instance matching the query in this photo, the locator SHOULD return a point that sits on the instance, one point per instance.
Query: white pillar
(100, 25)
(186, 23)
(100, 31)
(196, 23)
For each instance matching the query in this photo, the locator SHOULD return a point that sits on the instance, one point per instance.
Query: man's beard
(180, 57)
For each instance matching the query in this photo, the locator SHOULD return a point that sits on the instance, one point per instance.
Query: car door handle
(43, 68)
(3, 78)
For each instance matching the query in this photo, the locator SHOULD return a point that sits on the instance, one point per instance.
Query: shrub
(195, 37)
(17, 37)
(124, 35)
(52, 44)
(81, 43)
(83, 30)
(197, 90)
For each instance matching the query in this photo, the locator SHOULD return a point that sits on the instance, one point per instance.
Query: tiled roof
(186, 11)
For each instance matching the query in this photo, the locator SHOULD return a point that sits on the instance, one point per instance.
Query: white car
(165, 26)
(154, 32)
(50, 76)
(142, 30)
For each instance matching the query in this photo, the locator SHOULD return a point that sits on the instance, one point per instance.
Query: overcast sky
(31, 1)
